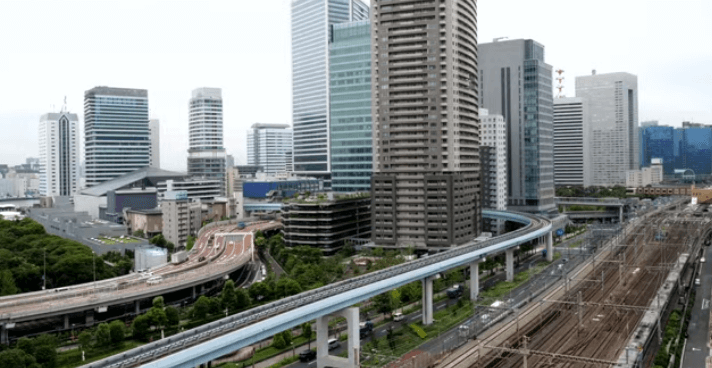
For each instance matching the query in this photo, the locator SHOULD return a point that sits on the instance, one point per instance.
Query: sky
(52, 49)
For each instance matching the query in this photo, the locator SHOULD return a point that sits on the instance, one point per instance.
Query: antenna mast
(560, 87)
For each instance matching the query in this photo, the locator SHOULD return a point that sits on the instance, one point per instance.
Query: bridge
(214, 256)
(599, 202)
(213, 340)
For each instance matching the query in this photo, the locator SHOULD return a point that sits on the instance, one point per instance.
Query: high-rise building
(154, 126)
(206, 154)
(493, 158)
(311, 34)
(426, 180)
(117, 135)
(613, 102)
(59, 153)
(572, 158)
(516, 82)
(658, 142)
(266, 146)
(350, 107)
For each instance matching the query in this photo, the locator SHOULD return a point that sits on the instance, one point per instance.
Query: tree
(140, 326)
(383, 303)
(157, 317)
(84, 340)
(103, 335)
(287, 336)
(242, 299)
(117, 331)
(16, 358)
(395, 299)
(278, 341)
(46, 350)
(260, 290)
(201, 307)
(170, 246)
(228, 297)
(139, 233)
(307, 332)
(159, 241)
(158, 302)
(190, 243)
(7, 284)
(172, 316)
(391, 337)
(26, 345)
(260, 242)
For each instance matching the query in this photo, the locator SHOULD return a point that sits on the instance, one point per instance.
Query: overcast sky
(52, 49)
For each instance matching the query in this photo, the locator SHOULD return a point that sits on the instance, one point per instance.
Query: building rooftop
(270, 126)
(151, 173)
(111, 91)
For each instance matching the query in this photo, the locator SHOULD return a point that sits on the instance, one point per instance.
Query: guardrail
(218, 328)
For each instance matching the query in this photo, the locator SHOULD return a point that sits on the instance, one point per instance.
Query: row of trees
(26, 251)
(40, 352)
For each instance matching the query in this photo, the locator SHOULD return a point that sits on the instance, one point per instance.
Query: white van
(333, 344)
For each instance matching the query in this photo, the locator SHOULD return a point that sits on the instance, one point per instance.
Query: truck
(178, 258)
(454, 292)
(365, 328)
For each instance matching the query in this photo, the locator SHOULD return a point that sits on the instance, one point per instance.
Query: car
(697, 282)
(307, 355)
(333, 344)
(454, 292)
(397, 317)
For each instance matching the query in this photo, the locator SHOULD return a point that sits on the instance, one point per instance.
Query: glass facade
(682, 148)
(658, 142)
(350, 107)
(311, 34)
(117, 138)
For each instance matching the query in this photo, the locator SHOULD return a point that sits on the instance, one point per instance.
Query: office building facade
(266, 146)
(350, 107)
(117, 134)
(426, 180)
(311, 34)
(516, 82)
(206, 154)
(613, 100)
(493, 158)
(59, 154)
(154, 125)
(659, 142)
(572, 160)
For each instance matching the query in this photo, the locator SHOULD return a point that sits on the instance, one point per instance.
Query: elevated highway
(215, 255)
(210, 341)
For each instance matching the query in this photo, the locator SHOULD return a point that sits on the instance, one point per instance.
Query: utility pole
(44, 259)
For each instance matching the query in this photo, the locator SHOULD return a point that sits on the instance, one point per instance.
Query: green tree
(170, 246)
(7, 283)
(242, 299)
(27, 345)
(190, 243)
(141, 326)
(158, 302)
(278, 341)
(16, 358)
(201, 307)
(260, 243)
(117, 332)
(172, 316)
(395, 299)
(383, 303)
(103, 335)
(85, 340)
(159, 241)
(260, 290)
(307, 332)
(158, 317)
(139, 233)
(287, 336)
(228, 297)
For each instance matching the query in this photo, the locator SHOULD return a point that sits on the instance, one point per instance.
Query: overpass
(210, 341)
(599, 202)
(214, 256)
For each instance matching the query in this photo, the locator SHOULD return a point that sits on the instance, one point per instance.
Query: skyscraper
(206, 154)
(311, 34)
(613, 100)
(266, 146)
(516, 83)
(350, 107)
(426, 180)
(572, 160)
(493, 158)
(154, 126)
(59, 153)
(117, 136)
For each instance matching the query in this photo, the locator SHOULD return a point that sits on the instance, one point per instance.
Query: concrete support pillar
(137, 306)
(89, 318)
(550, 247)
(475, 279)
(3, 335)
(194, 293)
(353, 343)
(66, 321)
(620, 215)
(428, 300)
(510, 264)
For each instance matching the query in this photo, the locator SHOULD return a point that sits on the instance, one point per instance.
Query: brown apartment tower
(426, 180)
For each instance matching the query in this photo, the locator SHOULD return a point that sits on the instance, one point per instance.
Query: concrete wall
(88, 204)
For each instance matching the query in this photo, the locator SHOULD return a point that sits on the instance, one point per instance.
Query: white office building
(493, 157)
(59, 153)
(572, 160)
(206, 154)
(613, 102)
(267, 145)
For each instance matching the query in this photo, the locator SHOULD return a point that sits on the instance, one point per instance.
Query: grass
(269, 352)
(576, 244)
(73, 358)
(505, 287)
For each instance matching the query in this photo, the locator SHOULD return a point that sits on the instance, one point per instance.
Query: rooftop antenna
(64, 107)
(560, 87)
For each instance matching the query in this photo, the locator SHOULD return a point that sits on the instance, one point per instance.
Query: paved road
(696, 350)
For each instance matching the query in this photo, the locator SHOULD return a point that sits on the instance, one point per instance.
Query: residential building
(117, 134)
(266, 146)
(59, 153)
(350, 107)
(572, 145)
(426, 180)
(175, 207)
(154, 126)
(516, 82)
(326, 222)
(206, 154)
(646, 176)
(613, 102)
(311, 34)
(493, 158)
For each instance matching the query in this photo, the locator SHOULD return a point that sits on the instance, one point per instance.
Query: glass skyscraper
(311, 34)
(658, 142)
(117, 138)
(350, 107)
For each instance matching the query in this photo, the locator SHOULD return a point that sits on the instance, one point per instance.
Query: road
(697, 350)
